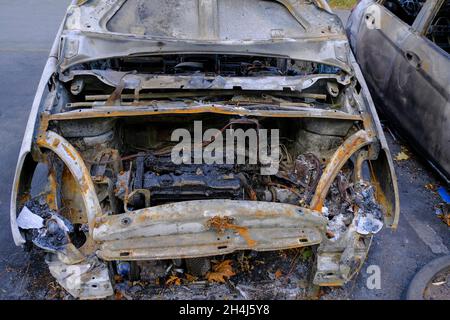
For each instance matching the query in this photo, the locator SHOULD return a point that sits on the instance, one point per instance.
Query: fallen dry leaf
(190, 278)
(221, 272)
(278, 274)
(401, 156)
(446, 219)
(173, 280)
(443, 213)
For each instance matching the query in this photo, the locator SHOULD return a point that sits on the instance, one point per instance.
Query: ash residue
(339, 206)
(39, 206)
(347, 201)
(369, 215)
(267, 275)
(54, 236)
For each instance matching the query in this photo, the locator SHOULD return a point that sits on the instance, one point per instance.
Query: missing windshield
(213, 65)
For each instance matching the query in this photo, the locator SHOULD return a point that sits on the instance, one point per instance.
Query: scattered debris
(443, 209)
(401, 156)
(439, 283)
(28, 220)
(190, 278)
(431, 187)
(369, 215)
(278, 274)
(442, 212)
(173, 280)
(118, 295)
(52, 233)
(242, 292)
(87, 279)
(391, 133)
(222, 271)
(349, 204)
(368, 224)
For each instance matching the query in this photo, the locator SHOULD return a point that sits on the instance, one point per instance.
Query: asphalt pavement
(27, 30)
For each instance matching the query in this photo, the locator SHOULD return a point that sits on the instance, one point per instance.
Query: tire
(422, 278)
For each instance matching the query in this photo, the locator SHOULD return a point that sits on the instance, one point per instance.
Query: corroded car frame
(269, 226)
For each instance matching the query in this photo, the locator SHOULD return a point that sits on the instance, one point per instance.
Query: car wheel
(423, 278)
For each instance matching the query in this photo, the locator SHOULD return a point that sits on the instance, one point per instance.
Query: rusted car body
(122, 75)
(403, 52)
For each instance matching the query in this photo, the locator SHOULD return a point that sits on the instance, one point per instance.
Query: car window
(439, 29)
(405, 10)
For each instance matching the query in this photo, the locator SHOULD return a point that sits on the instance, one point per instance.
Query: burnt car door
(418, 87)
(376, 39)
(402, 48)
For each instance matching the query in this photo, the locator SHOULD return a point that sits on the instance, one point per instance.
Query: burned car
(403, 48)
(134, 102)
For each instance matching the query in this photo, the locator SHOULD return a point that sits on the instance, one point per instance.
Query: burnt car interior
(406, 10)
(224, 65)
(439, 30)
(136, 151)
(87, 89)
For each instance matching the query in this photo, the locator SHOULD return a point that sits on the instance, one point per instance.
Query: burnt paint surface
(408, 78)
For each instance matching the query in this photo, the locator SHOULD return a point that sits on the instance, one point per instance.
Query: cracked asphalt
(27, 30)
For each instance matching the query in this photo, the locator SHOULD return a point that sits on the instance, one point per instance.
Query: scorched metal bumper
(207, 227)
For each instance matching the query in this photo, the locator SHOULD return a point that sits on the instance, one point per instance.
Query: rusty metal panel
(184, 229)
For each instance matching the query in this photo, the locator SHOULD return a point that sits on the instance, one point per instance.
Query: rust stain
(344, 152)
(72, 198)
(379, 194)
(53, 187)
(85, 183)
(319, 206)
(51, 200)
(25, 197)
(260, 214)
(118, 112)
(331, 284)
(142, 218)
(56, 143)
(69, 152)
(220, 224)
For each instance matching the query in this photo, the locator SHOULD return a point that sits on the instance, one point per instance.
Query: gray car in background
(402, 47)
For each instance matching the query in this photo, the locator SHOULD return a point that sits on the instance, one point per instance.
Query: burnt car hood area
(177, 130)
